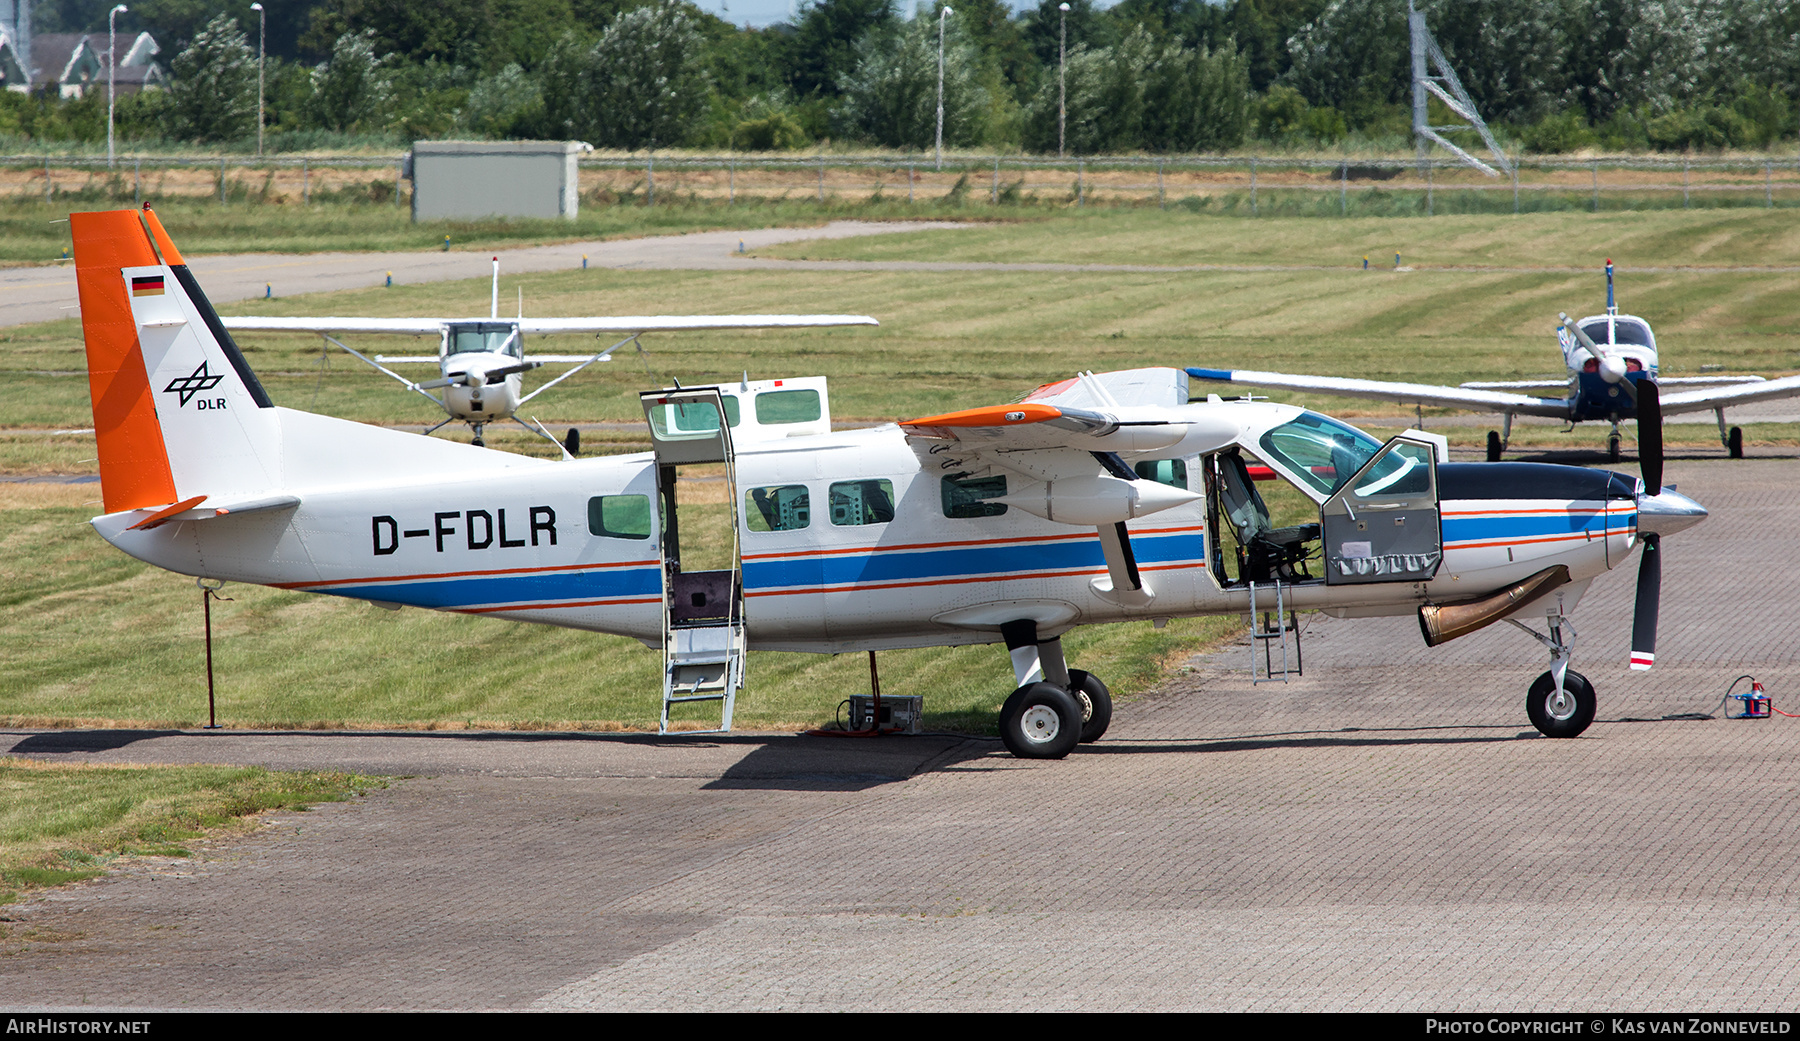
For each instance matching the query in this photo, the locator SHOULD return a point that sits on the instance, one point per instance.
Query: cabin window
(1172, 472)
(782, 508)
(619, 516)
(776, 407)
(862, 502)
(732, 409)
(684, 419)
(965, 498)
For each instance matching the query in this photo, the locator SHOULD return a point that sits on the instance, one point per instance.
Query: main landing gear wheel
(1734, 443)
(1095, 702)
(1612, 449)
(1564, 715)
(1493, 446)
(1040, 721)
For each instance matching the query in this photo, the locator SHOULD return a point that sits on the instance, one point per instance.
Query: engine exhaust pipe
(1442, 623)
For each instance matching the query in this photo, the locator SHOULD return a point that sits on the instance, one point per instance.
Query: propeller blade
(507, 370)
(1650, 435)
(1649, 594)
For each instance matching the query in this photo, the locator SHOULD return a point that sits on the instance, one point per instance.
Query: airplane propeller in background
(478, 378)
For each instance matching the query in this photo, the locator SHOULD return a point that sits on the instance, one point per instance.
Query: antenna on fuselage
(494, 302)
(1611, 308)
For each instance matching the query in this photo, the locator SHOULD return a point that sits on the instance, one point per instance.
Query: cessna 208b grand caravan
(481, 361)
(1612, 376)
(1102, 498)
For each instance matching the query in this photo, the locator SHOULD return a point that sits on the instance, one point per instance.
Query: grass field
(64, 822)
(96, 637)
(1635, 239)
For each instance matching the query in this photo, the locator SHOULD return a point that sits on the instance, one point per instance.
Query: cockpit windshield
(1626, 331)
(486, 337)
(1617, 331)
(1319, 450)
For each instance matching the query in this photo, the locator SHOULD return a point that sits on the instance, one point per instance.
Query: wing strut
(360, 356)
(605, 355)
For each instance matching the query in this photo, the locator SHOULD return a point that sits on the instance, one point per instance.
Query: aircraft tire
(1574, 717)
(1734, 443)
(1612, 449)
(1040, 721)
(1095, 702)
(1493, 446)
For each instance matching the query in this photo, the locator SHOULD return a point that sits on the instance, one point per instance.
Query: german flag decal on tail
(147, 285)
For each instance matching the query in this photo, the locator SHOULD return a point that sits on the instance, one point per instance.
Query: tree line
(1149, 75)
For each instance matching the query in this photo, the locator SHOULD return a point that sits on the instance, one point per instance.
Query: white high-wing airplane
(1612, 376)
(1103, 498)
(481, 361)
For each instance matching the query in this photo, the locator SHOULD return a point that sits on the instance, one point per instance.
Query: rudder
(177, 411)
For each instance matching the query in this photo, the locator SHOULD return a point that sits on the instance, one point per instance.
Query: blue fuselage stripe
(488, 590)
(1534, 526)
(961, 562)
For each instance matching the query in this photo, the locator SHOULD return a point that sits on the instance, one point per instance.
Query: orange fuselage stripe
(134, 463)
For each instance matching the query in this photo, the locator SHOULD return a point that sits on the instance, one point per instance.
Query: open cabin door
(703, 604)
(1382, 524)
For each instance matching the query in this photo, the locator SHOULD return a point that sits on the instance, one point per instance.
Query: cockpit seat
(1269, 551)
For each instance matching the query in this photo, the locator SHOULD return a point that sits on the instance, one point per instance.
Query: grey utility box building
(460, 180)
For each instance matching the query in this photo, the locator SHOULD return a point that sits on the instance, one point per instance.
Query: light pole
(262, 34)
(112, 63)
(1062, 78)
(943, 14)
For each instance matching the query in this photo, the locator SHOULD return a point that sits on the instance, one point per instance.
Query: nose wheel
(1561, 713)
(1565, 709)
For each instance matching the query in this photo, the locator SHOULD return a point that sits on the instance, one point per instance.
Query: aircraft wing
(1707, 381)
(1518, 385)
(629, 323)
(401, 326)
(1724, 397)
(1474, 399)
(648, 323)
(1047, 442)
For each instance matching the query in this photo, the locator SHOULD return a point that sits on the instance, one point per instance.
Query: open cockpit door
(1382, 524)
(703, 613)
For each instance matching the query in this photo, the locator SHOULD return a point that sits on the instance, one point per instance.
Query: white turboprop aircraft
(481, 361)
(1099, 499)
(1612, 376)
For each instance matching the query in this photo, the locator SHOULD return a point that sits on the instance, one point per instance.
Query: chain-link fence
(1242, 185)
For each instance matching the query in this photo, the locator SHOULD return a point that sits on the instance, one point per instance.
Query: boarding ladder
(1272, 629)
(704, 661)
(703, 611)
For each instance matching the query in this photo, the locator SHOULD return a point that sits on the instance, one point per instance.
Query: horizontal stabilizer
(202, 507)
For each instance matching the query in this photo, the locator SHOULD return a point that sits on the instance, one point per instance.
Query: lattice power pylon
(1427, 58)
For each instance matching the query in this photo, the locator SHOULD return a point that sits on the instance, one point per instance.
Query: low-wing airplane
(1610, 357)
(1102, 498)
(481, 361)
